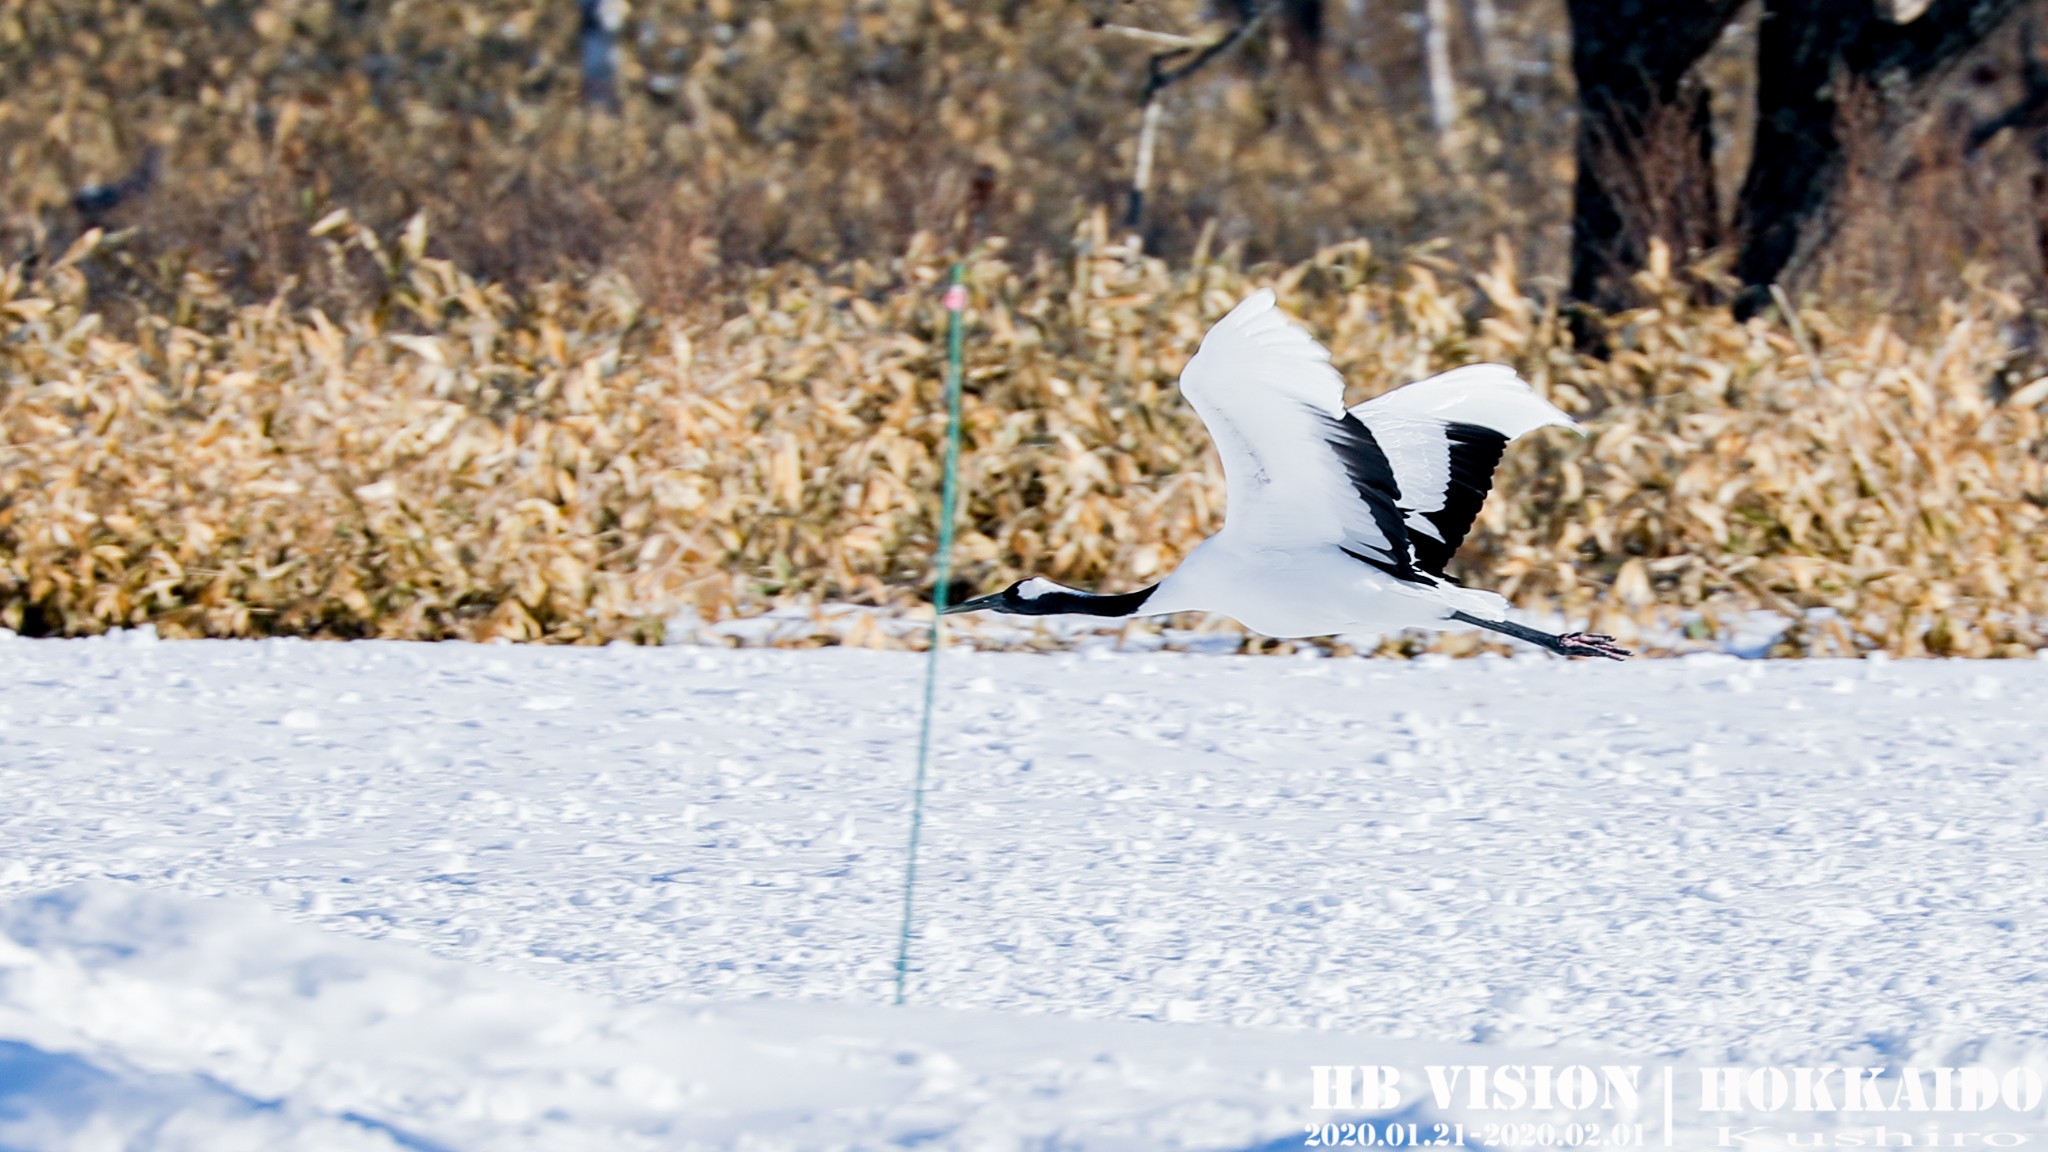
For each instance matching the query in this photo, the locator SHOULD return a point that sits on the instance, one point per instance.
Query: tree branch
(1161, 73)
(1158, 78)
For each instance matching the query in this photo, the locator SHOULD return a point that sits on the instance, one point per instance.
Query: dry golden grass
(686, 355)
(457, 461)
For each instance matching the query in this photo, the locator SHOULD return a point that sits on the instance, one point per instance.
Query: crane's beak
(974, 605)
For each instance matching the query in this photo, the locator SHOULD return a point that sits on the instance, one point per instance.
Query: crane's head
(1034, 597)
(1040, 597)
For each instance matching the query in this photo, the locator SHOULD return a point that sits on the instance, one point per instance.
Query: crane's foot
(1589, 644)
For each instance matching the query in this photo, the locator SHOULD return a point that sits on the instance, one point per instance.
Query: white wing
(1299, 470)
(1488, 395)
(1443, 436)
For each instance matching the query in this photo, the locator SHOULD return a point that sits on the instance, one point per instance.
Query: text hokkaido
(1853, 1088)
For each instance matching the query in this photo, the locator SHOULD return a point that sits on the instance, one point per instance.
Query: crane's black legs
(1569, 644)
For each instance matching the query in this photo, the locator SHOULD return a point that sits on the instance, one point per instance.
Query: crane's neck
(1045, 598)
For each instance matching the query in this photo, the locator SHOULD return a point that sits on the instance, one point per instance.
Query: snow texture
(282, 895)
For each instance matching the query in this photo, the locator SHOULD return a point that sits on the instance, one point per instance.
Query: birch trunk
(1436, 56)
(1484, 19)
(598, 38)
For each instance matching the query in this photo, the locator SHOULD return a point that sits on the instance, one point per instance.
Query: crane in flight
(1338, 520)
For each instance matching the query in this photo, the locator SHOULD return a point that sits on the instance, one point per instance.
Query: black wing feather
(1372, 477)
(1475, 452)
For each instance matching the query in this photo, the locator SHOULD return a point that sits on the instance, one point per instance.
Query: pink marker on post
(956, 297)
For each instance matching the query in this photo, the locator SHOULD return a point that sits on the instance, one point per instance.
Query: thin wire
(956, 301)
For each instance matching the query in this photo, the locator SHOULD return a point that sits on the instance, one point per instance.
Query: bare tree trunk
(1305, 24)
(598, 37)
(1436, 57)
(1484, 20)
(1141, 172)
(1809, 53)
(1645, 145)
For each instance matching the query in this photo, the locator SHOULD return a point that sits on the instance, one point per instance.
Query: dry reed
(455, 460)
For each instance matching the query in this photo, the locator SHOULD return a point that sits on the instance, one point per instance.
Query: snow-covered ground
(496, 897)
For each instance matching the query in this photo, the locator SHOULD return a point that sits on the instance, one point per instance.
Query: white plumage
(1338, 521)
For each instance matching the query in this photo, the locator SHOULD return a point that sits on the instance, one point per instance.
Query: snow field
(1702, 860)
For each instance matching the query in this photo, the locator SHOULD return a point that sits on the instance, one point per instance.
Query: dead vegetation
(457, 461)
(347, 319)
(746, 135)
